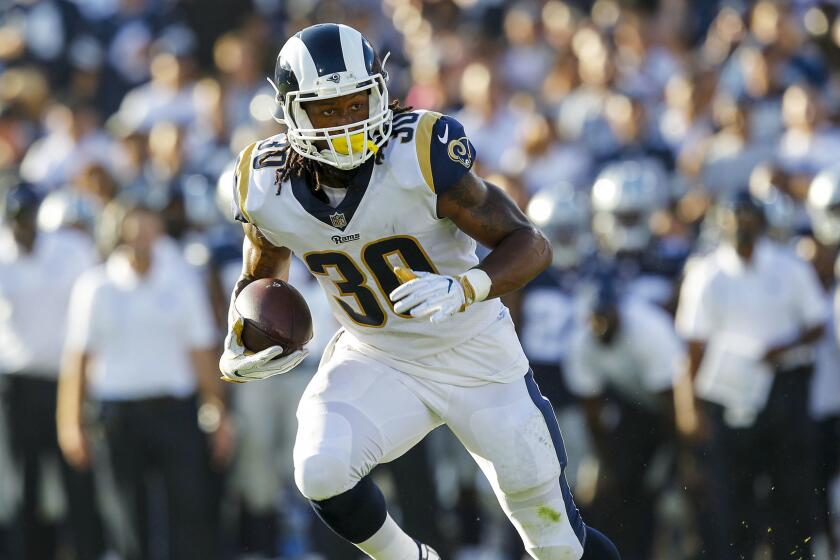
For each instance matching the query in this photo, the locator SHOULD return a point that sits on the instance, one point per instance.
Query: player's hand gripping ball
(425, 294)
(267, 337)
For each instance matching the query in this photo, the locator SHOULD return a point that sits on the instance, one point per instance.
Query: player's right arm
(260, 259)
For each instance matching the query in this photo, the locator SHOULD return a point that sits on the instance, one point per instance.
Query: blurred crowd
(680, 155)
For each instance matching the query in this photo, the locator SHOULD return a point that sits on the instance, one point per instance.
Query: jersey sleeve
(241, 182)
(444, 151)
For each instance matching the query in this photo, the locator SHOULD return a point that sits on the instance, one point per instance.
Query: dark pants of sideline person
(140, 442)
(29, 402)
(624, 505)
(828, 467)
(767, 473)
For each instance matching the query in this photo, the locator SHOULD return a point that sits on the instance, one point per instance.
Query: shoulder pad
(260, 155)
(444, 151)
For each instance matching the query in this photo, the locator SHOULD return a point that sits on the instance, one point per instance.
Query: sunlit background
(102, 100)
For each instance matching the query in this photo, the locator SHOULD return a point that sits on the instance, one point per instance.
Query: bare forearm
(205, 366)
(686, 407)
(519, 251)
(520, 256)
(808, 336)
(804, 337)
(261, 259)
(696, 350)
(71, 388)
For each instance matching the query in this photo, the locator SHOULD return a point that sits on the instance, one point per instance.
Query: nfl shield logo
(338, 220)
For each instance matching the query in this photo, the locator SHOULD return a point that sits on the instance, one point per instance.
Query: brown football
(273, 313)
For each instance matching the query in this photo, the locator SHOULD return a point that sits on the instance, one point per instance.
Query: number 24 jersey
(387, 218)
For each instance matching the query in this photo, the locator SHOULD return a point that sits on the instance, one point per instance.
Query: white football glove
(429, 295)
(239, 365)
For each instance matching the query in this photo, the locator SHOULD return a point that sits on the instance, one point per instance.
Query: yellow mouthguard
(404, 274)
(357, 143)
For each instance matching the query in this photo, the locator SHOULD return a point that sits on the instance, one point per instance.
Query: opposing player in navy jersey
(624, 197)
(380, 203)
(550, 304)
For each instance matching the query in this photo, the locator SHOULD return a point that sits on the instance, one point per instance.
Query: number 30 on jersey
(379, 258)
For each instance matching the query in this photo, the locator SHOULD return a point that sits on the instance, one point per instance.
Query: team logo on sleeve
(338, 220)
(459, 151)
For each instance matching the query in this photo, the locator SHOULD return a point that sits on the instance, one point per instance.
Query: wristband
(476, 285)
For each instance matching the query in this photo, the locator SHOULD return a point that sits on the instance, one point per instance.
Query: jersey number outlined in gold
(377, 257)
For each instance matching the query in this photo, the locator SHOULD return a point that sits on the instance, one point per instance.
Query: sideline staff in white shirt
(824, 405)
(37, 272)
(751, 312)
(140, 343)
(631, 348)
(623, 362)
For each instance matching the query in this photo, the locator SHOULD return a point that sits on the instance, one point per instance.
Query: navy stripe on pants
(547, 411)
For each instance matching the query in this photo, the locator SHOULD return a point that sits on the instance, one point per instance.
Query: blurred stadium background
(151, 100)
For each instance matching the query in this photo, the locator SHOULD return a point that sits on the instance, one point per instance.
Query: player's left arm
(484, 212)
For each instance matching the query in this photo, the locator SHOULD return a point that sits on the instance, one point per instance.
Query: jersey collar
(343, 213)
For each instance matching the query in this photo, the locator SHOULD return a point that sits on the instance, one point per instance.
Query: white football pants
(357, 413)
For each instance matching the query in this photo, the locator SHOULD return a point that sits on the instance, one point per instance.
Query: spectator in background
(94, 181)
(582, 113)
(623, 361)
(734, 150)
(527, 59)
(486, 114)
(683, 121)
(631, 134)
(73, 140)
(810, 141)
(752, 312)
(23, 99)
(37, 272)
(140, 347)
(169, 95)
(542, 159)
(239, 64)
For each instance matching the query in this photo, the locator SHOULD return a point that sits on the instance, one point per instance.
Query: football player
(380, 203)
(550, 304)
(625, 196)
(823, 206)
(622, 362)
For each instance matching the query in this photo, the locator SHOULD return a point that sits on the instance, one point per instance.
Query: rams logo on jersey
(460, 151)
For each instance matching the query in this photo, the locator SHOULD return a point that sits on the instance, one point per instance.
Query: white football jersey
(387, 218)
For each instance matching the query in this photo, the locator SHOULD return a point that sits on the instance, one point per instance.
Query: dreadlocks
(297, 165)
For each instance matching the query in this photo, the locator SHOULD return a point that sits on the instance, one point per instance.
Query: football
(273, 313)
